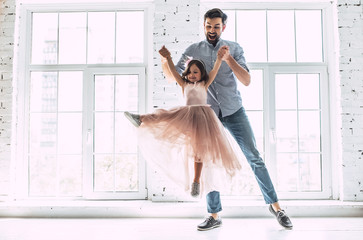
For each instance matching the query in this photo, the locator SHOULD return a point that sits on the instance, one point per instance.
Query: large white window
(83, 68)
(286, 101)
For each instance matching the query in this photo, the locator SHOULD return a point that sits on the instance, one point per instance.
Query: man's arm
(242, 74)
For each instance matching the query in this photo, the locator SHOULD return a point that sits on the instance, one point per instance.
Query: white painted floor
(178, 228)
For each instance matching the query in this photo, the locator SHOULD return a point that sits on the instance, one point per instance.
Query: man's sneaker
(210, 223)
(133, 118)
(195, 189)
(281, 217)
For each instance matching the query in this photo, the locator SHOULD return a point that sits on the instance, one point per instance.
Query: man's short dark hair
(216, 13)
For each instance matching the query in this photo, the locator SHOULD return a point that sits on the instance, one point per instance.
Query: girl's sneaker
(195, 189)
(133, 118)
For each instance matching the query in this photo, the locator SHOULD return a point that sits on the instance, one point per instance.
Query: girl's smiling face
(195, 75)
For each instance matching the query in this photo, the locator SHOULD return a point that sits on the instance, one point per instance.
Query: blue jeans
(240, 128)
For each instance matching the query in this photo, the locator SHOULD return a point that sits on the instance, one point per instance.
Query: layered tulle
(172, 140)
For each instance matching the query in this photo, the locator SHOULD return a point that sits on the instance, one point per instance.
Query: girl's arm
(217, 65)
(167, 62)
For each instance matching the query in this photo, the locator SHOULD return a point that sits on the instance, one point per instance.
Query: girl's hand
(164, 52)
(223, 53)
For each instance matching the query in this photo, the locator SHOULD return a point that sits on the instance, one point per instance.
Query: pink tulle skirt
(172, 140)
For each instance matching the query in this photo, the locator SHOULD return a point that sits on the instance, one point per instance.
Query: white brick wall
(7, 23)
(350, 27)
(176, 25)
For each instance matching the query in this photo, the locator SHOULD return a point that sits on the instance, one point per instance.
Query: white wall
(176, 25)
(350, 28)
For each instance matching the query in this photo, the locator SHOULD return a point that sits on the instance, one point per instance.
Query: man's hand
(164, 53)
(223, 53)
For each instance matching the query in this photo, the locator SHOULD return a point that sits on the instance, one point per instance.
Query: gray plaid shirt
(223, 94)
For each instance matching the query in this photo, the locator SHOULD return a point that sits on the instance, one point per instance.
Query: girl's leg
(197, 171)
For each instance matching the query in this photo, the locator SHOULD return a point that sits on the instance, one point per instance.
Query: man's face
(213, 28)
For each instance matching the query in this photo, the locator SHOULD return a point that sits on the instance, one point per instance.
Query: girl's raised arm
(165, 54)
(217, 65)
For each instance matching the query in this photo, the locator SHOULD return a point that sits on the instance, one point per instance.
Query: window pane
(281, 36)
(69, 133)
(42, 175)
(287, 172)
(130, 37)
(127, 173)
(43, 92)
(309, 131)
(309, 36)
(251, 34)
(285, 91)
(252, 96)
(104, 92)
(127, 93)
(310, 172)
(72, 38)
(43, 133)
(309, 88)
(44, 38)
(101, 37)
(125, 135)
(229, 32)
(103, 173)
(286, 131)
(70, 91)
(70, 175)
(104, 132)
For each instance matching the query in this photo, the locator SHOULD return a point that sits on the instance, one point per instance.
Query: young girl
(192, 131)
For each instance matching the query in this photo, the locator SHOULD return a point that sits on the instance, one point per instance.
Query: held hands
(223, 53)
(164, 52)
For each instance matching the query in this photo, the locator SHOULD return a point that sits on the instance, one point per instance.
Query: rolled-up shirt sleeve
(240, 58)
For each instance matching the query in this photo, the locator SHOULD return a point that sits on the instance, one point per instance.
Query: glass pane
(70, 133)
(125, 135)
(127, 173)
(309, 91)
(309, 41)
(130, 37)
(70, 175)
(251, 34)
(44, 38)
(229, 32)
(72, 38)
(104, 93)
(309, 131)
(286, 131)
(104, 132)
(285, 91)
(101, 37)
(43, 92)
(42, 174)
(70, 91)
(43, 133)
(103, 173)
(256, 121)
(252, 96)
(127, 93)
(281, 36)
(310, 172)
(287, 172)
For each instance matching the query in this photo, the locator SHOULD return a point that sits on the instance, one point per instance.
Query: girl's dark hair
(200, 65)
(216, 13)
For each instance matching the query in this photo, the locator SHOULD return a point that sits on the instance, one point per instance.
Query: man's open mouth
(212, 36)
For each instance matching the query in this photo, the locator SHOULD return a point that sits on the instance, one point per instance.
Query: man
(225, 100)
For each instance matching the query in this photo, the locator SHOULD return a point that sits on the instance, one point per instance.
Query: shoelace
(281, 213)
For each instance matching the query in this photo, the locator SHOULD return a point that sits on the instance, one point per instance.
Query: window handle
(89, 136)
(273, 135)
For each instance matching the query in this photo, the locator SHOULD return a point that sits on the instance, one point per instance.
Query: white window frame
(326, 70)
(22, 78)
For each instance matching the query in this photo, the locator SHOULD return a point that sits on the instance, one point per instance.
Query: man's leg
(241, 130)
(214, 206)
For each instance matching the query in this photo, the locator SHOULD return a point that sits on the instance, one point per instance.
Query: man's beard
(214, 41)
